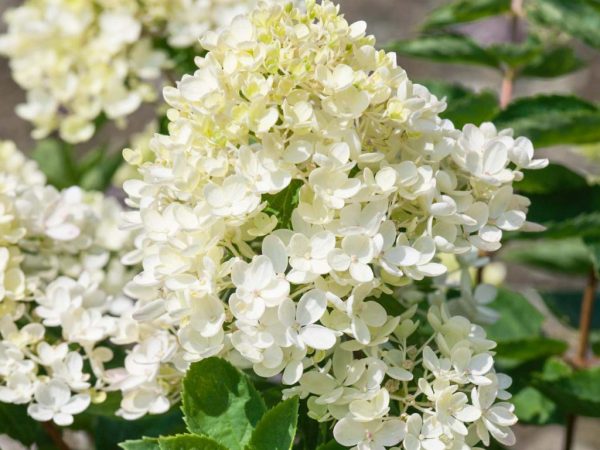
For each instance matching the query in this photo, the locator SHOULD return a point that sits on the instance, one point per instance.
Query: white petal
(318, 337)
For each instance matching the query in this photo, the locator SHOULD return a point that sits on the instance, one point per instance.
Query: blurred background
(392, 20)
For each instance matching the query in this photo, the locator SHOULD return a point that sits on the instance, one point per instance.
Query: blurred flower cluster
(83, 60)
(61, 290)
(294, 220)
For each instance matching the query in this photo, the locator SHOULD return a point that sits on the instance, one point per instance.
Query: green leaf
(15, 422)
(282, 204)
(220, 402)
(553, 62)
(519, 320)
(516, 55)
(56, 161)
(449, 48)
(578, 393)
(189, 442)
(552, 120)
(110, 431)
(579, 18)
(277, 428)
(592, 244)
(465, 11)
(464, 105)
(566, 306)
(533, 407)
(514, 353)
(141, 444)
(331, 445)
(574, 255)
(551, 179)
(99, 176)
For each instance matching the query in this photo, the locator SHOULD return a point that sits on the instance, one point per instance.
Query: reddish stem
(54, 432)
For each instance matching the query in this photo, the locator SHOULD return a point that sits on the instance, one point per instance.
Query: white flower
(300, 321)
(355, 255)
(308, 256)
(374, 435)
(496, 418)
(53, 401)
(423, 434)
(258, 286)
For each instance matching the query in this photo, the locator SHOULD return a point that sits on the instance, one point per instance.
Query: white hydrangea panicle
(61, 291)
(295, 220)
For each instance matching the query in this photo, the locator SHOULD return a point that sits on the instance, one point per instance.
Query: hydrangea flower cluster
(80, 59)
(61, 290)
(294, 221)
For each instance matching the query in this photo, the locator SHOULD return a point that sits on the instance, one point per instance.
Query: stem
(570, 432)
(585, 321)
(581, 360)
(54, 432)
(506, 91)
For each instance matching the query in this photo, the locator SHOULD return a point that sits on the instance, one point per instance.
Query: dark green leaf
(560, 255)
(141, 444)
(465, 106)
(519, 320)
(331, 445)
(282, 204)
(449, 48)
(514, 353)
(553, 62)
(578, 393)
(552, 119)
(550, 180)
(277, 428)
(220, 402)
(567, 307)
(580, 18)
(56, 161)
(99, 176)
(110, 431)
(516, 55)
(189, 442)
(15, 422)
(465, 11)
(533, 407)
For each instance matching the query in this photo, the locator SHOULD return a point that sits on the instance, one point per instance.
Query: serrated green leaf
(55, 159)
(578, 393)
(189, 442)
(220, 402)
(141, 444)
(518, 321)
(552, 120)
(449, 48)
(574, 255)
(533, 407)
(592, 244)
(465, 11)
(553, 62)
(579, 18)
(277, 428)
